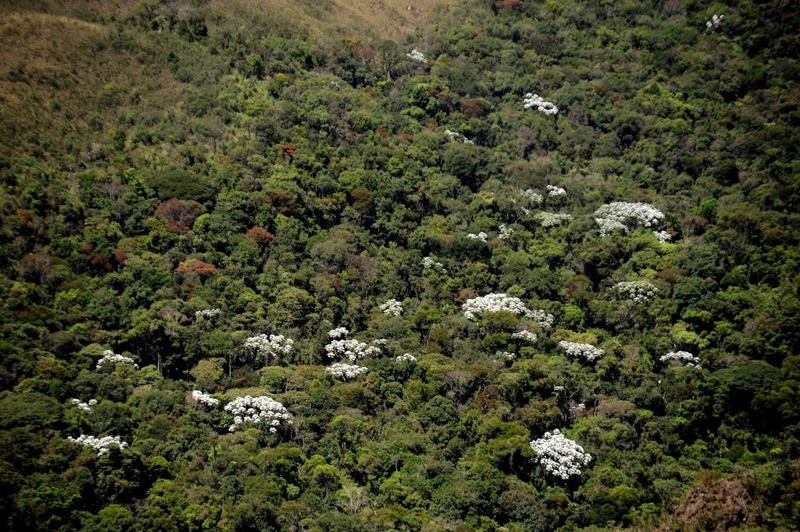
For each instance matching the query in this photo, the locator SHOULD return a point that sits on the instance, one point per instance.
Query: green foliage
(199, 157)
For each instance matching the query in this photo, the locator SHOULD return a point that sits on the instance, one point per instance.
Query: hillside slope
(262, 268)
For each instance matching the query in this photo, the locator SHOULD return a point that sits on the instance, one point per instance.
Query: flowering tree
(429, 263)
(207, 313)
(663, 236)
(682, 357)
(457, 137)
(622, 216)
(270, 346)
(637, 291)
(586, 352)
(417, 56)
(714, 22)
(479, 236)
(100, 445)
(560, 456)
(393, 307)
(554, 191)
(259, 410)
(502, 302)
(110, 359)
(86, 407)
(534, 101)
(532, 196)
(406, 357)
(505, 232)
(204, 398)
(525, 336)
(346, 371)
(550, 219)
(351, 349)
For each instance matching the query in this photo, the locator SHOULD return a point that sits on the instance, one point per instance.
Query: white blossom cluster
(684, 357)
(495, 303)
(345, 371)
(417, 56)
(256, 410)
(338, 332)
(587, 352)
(554, 191)
(480, 236)
(270, 346)
(457, 137)
(714, 22)
(109, 357)
(207, 313)
(380, 341)
(525, 336)
(550, 219)
(204, 398)
(537, 102)
(663, 236)
(560, 456)
(623, 216)
(531, 195)
(406, 357)
(542, 318)
(506, 232)
(350, 349)
(393, 307)
(638, 291)
(101, 445)
(429, 263)
(86, 407)
(507, 355)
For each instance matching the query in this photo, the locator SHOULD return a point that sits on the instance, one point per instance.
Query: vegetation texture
(471, 265)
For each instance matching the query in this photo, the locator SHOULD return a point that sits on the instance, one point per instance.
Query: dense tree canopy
(532, 266)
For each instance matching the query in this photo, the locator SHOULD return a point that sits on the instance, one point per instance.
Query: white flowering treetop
(86, 407)
(586, 352)
(550, 219)
(480, 236)
(259, 410)
(351, 349)
(502, 302)
(560, 456)
(506, 232)
(392, 307)
(338, 332)
(534, 101)
(532, 196)
(429, 263)
(662, 236)
(417, 56)
(100, 445)
(495, 303)
(554, 191)
(542, 319)
(622, 216)
(457, 137)
(525, 336)
(406, 357)
(714, 22)
(638, 291)
(345, 371)
(269, 347)
(682, 357)
(204, 398)
(111, 359)
(207, 313)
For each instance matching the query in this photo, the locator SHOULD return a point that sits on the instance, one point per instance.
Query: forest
(447, 265)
